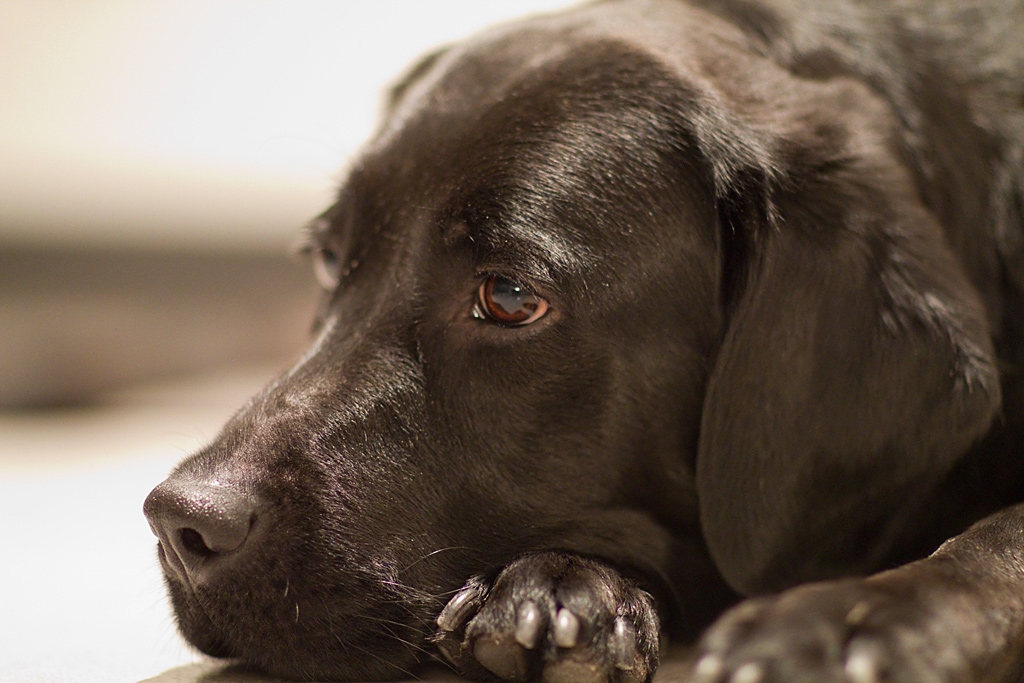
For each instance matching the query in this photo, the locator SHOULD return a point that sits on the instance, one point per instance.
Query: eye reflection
(508, 303)
(326, 267)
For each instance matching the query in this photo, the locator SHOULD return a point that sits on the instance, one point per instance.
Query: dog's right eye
(326, 267)
(508, 303)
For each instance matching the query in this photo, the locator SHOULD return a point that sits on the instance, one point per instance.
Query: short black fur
(781, 246)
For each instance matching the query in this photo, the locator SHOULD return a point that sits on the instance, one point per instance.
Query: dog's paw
(850, 631)
(551, 617)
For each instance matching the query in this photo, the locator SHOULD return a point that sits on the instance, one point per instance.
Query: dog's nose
(201, 526)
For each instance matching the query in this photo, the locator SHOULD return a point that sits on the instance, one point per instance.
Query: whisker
(436, 552)
(407, 592)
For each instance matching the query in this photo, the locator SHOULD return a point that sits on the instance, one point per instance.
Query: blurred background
(157, 161)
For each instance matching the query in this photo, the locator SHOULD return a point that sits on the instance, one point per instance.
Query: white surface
(198, 122)
(82, 599)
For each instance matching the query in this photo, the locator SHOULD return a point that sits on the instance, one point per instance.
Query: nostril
(192, 541)
(199, 522)
(222, 531)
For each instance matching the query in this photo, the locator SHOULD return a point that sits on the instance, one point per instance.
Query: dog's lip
(228, 620)
(172, 564)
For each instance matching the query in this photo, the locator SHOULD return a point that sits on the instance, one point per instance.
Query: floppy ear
(413, 75)
(856, 366)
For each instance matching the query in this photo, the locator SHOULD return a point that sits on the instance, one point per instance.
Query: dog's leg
(956, 616)
(552, 617)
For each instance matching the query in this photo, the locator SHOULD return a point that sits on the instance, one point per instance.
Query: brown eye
(326, 267)
(508, 303)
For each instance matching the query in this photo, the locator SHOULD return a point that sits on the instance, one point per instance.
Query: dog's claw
(528, 624)
(567, 628)
(622, 644)
(709, 668)
(863, 662)
(458, 609)
(748, 673)
(551, 618)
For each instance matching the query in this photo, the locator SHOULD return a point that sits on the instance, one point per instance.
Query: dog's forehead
(485, 68)
(551, 134)
(540, 60)
(482, 73)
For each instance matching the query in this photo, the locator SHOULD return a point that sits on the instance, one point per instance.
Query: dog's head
(577, 277)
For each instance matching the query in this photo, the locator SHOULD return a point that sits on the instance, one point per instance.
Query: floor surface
(82, 597)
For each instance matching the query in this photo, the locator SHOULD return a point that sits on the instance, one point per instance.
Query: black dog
(632, 311)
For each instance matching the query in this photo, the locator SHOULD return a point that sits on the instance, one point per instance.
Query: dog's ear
(411, 77)
(856, 365)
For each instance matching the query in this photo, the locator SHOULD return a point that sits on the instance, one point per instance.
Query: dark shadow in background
(75, 323)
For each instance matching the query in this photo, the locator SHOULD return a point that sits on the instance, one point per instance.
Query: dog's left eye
(508, 303)
(326, 267)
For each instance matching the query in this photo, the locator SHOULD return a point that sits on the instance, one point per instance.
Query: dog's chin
(322, 645)
(315, 660)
